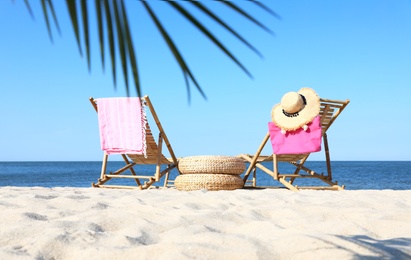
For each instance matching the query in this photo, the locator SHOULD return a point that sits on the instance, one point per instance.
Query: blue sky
(344, 49)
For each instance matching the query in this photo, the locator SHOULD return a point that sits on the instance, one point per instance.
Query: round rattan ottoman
(208, 181)
(210, 172)
(211, 164)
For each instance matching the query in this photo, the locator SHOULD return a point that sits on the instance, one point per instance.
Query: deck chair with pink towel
(298, 128)
(124, 130)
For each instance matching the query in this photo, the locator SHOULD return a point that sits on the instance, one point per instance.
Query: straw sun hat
(296, 110)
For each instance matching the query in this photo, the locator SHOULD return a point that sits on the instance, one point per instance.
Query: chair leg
(102, 178)
(327, 157)
(131, 169)
(299, 166)
(158, 166)
(104, 165)
(255, 177)
(275, 167)
(166, 179)
(161, 174)
(255, 157)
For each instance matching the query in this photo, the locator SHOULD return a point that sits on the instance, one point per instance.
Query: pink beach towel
(298, 141)
(122, 124)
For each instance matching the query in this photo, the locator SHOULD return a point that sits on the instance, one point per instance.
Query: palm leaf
(99, 12)
(120, 42)
(111, 18)
(173, 48)
(131, 52)
(72, 8)
(110, 36)
(245, 14)
(205, 31)
(266, 8)
(222, 23)
(84, 14)
(53, 13)
(29, 8)
(46, 18)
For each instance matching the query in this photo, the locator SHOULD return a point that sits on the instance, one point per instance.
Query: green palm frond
(99, 12)
(120, 39)
(26, 2)
(72, 8)
(266, 8)
(131, 53)
(47, 7)
(206, 32)
(114, 33)
(84, 15)
(110, 38)
(245, 14)
(173, 48)
(225, 25)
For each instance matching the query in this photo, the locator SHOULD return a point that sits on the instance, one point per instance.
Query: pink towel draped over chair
(122, 124)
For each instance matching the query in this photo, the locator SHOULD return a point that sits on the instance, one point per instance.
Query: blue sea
(354, 175)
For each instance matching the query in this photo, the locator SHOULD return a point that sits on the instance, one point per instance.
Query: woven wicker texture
(187, 182)
(211, 164)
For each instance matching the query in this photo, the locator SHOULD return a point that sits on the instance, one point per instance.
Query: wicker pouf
(211, 164)
(211, 172)
(189, 182)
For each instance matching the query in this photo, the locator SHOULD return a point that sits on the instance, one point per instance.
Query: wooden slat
(129, 176)
(291, 157)
(118, 187)
(321, 188)
(152, 152)
(298, 176)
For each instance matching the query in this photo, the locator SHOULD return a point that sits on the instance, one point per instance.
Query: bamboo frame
(154, 157)
(329, 111)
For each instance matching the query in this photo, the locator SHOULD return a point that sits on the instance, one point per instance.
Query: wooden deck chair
(329, 111)
(154, 156)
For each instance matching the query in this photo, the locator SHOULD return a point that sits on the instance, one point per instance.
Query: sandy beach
(90, 223)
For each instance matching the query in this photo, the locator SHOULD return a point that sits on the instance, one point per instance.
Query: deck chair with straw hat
(298, 124)
(124, 130)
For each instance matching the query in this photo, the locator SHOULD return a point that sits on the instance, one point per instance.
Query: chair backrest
(329, 111)
(152, 151)
(153, 154)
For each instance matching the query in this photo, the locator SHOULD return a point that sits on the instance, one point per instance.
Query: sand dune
(81, 223)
